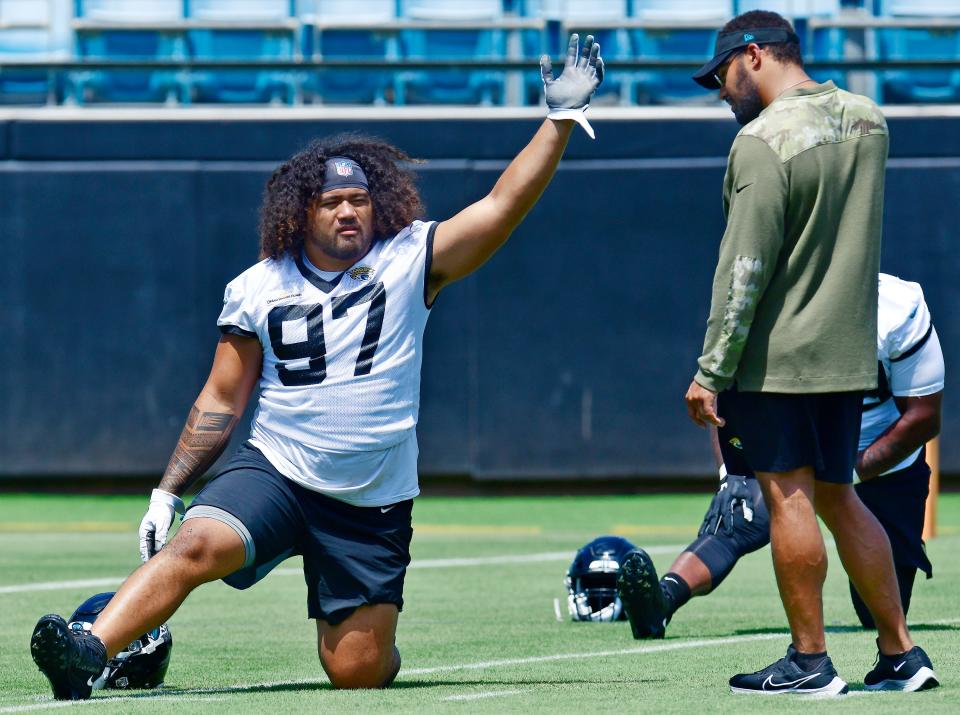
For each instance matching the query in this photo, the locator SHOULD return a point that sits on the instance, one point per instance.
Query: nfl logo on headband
(344, 168)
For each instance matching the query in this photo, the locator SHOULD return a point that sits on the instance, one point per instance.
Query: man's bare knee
(362, 670)
(360, 651)
(205, 550)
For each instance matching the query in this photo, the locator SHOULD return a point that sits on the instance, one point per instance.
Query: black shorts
(898, 500)
(781, 432)
(352, 556)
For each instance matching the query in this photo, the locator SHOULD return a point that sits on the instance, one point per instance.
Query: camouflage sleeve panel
(719, 365)
(756, 199)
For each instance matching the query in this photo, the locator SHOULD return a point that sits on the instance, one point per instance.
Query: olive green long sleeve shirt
(794, 304)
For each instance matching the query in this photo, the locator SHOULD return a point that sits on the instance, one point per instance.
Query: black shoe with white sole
(71, 660)
(785, 676)
(906, 672)
(641, 595)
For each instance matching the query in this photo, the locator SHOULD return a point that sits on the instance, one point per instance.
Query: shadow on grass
(914, 627)
(318, 685)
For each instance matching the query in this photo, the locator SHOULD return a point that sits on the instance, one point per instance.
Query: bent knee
(368, 670)
(206, 550)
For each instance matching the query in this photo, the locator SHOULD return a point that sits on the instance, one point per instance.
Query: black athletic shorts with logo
(352, 556)
(782, 432)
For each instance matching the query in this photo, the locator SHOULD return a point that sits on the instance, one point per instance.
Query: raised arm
(463, 243)
(236, 368)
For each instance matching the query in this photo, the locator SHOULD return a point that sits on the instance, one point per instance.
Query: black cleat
(906, 672)
(641, 596)
(785, 676)
(71, 660)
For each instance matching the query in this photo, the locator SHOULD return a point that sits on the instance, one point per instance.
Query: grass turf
(255, 650)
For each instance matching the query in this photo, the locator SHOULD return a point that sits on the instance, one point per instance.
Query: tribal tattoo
(203, 439)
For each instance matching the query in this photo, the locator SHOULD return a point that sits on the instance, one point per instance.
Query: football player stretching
(330, 325)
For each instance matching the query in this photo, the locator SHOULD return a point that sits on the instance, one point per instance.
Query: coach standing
(791, 337)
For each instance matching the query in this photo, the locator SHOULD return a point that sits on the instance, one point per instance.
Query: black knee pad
(737, 523)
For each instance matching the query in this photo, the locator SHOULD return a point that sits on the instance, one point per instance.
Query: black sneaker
(785, 676)
(908, 672)
(641, 596)
(71, 660)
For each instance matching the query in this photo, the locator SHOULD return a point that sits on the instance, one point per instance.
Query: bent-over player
(897, 420)
(330, 323)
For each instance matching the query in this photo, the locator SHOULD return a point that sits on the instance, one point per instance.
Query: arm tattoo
(203, 439)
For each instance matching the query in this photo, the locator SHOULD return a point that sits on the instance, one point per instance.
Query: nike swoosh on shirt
(791, 684)
(741, 188)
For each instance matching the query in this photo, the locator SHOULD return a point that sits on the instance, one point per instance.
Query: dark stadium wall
(567, 355)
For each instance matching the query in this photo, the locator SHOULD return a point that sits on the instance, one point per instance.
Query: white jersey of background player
(909, 356)
(340, 387)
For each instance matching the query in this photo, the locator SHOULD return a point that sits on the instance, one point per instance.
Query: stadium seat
(28, 34)
(915, 43)
(351, 86)
(684, 10)
(243, 86)
(457, 43)
(241, 9)
(676, 43)
(140, 11)
(792, 9)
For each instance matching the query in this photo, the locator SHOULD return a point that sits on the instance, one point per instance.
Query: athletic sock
(676, 592)
(809, 661)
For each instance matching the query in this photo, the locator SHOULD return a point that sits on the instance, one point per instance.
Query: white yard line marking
(419, 564)
(639, 650)
(49, 705)
(480, 696)
(200, 693)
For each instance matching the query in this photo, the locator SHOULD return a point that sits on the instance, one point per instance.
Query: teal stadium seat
(678, 43)
(452, 86)
(343, 86)
(127, 44)
(920, 86)
(30, 32)
(249, 43)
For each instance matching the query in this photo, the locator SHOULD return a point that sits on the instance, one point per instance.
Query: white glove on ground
(568, 96)
(157, 522)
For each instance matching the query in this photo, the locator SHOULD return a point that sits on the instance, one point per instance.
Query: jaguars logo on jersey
(361, 273)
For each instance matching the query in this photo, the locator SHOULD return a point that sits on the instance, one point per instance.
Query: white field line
(480, 696)
(198, 693)
(419, 564)
(51, 704)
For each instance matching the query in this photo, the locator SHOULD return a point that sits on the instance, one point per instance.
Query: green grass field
(476, 635)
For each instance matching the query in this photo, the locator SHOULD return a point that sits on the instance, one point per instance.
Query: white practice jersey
(340, 387)
(909, 357)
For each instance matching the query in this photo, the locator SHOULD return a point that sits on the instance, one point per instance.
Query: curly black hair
(297, 182)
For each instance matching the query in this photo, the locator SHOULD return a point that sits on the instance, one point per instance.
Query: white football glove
(568, 96)
(163, 509)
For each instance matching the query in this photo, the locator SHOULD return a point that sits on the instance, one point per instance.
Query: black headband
(727, 42)
(343, 173)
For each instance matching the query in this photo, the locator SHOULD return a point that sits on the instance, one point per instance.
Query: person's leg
(799, 555)
(203, 550)
(865, 552)
(693, 571)
(360, 652)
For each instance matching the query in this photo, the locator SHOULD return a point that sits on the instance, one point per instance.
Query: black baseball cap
(727, 42)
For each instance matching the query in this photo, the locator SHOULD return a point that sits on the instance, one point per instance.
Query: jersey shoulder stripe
(903, 319)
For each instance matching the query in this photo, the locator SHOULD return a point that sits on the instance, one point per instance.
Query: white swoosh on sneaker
(897, 668)
(791, 684)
